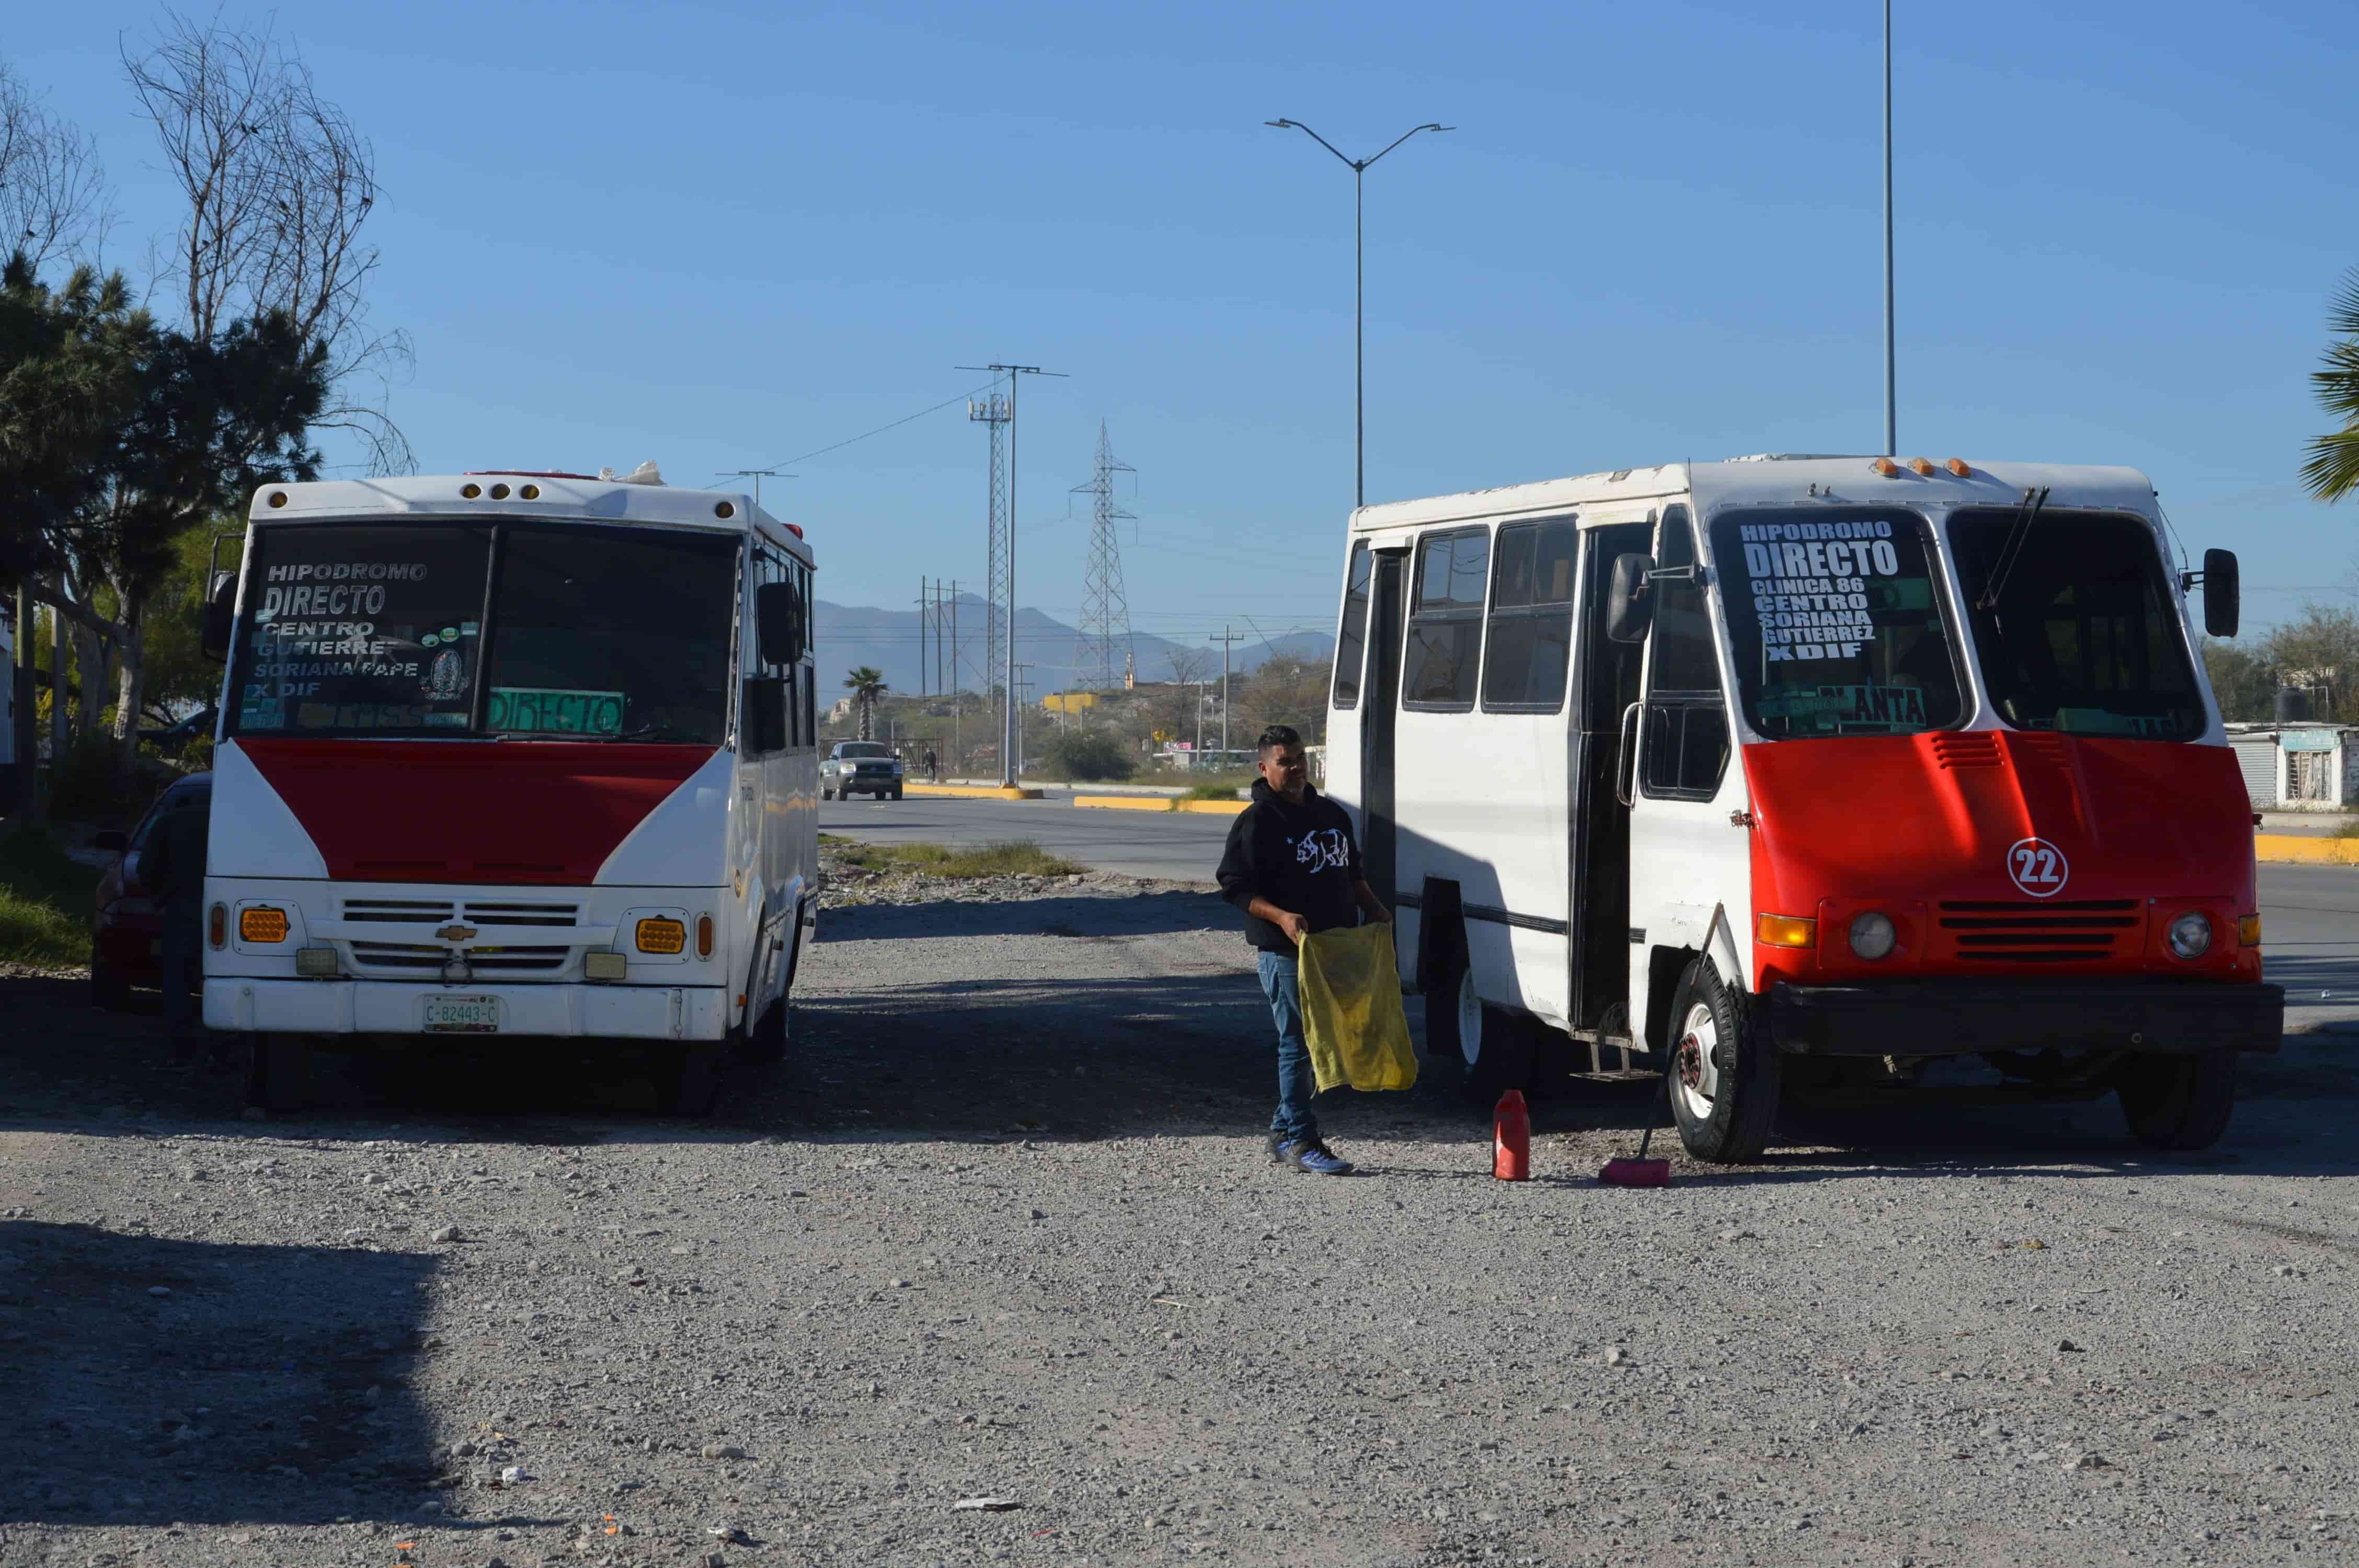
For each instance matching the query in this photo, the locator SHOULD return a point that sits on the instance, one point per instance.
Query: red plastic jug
(1511, 1138)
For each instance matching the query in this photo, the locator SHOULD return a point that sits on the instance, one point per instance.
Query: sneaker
(1314, 1156)
(1277, 1143)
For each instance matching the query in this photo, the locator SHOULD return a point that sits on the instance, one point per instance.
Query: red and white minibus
(1807, 772)
(511, 754)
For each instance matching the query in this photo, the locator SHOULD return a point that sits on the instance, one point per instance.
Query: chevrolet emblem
(455, 933)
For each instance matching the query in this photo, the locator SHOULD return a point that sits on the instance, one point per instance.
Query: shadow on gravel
(266, 1385)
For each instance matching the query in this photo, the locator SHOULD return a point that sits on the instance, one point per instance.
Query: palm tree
(866, 684)
(2332, 471)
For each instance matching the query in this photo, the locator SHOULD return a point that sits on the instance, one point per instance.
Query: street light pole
(1358, 167)
(1891, 393)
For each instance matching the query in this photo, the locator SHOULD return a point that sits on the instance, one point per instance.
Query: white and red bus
(1807, 772)
(512, 754)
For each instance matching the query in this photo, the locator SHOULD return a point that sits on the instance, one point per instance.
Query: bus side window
(1351, 641)
(1531, 617)
(1445, 622)
(765, 714)
(1686, 746)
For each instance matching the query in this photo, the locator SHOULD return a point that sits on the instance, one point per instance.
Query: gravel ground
(1002, 1227)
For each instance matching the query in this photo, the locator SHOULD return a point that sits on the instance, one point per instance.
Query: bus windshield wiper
(2017, 536)
(658, 732)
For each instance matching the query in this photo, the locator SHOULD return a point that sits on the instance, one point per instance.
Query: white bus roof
(1773, 480)
(561, 499)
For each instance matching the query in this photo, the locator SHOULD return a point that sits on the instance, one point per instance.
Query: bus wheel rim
(1470, 1018)
(1695, 1078)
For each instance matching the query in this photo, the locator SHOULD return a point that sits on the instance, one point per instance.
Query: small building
(2298, 767)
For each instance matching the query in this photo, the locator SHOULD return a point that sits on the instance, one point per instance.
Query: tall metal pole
(1891, 416)
(1359, 342)
(1010, 764)
(1359, 167)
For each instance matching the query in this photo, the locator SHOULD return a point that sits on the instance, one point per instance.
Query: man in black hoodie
(1293, 867)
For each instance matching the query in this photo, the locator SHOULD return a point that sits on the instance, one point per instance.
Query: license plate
(463, 1015)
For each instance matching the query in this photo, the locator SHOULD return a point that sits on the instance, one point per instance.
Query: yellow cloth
(1351, 1017)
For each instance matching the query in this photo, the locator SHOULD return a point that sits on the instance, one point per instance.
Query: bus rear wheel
(1724, 1070)
(1494, 1046)
(2178, 1102)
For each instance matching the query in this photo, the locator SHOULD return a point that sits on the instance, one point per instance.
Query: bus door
(1379, 715)
(1605, 683)
(1685, 856)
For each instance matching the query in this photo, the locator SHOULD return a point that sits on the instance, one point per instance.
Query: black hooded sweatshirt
(1302, 858)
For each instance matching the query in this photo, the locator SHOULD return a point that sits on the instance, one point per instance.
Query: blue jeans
(1296, 1085)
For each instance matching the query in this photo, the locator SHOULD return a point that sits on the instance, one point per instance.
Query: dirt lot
(1002, 1227)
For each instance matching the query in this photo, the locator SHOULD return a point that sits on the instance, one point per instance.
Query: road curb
(1124, 802)
(1212, 807)
(976, 792)
(2315, 849)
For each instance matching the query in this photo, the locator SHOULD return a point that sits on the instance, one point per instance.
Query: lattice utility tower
(1102, 658)
(993, 413)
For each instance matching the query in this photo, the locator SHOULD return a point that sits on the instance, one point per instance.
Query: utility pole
(1227, 637)
(958, 687)
(757, 476)
(1010, 734)
(1891, 413)
(27, 749)
(924, 610)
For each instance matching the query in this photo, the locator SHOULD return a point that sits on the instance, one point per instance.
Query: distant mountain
(852, 634)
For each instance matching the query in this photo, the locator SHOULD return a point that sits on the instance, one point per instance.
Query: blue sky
(724, 235)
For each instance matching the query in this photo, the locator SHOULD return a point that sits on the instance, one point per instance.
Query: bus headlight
(1872, 936)
(2191, 934)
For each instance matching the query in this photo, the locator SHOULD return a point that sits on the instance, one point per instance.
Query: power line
(880, 429)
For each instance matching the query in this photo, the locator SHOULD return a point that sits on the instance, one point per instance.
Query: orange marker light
(499, 492)
(217, 925)
(1958, 466)
(1922, 465)
(1886, 466)
(704, 936)
(2248, 930)
(470, 491)
(529, 491)
(1786, 931)
(722, 509)
(277, 499)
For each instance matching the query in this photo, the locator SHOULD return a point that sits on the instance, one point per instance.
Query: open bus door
(1380, 708)
(1606, 686)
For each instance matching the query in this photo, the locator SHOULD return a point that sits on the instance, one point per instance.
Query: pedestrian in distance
(174, 869)
(1292, 866)
(933, 766)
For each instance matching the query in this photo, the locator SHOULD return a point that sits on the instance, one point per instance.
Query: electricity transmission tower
(995, 413)
(1101, 656)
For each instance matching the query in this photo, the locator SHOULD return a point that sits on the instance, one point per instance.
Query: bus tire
(696, 1082)
(765, 1043)
(278, 1076)
(1725, 1075)
(1494, 1047)
(2178, 1102)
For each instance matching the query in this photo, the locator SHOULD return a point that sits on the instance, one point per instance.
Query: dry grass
(1010, 857)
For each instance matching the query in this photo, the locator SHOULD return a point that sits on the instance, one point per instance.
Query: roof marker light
(722, 509)
(1922, 465)
(499, 492)
(1886, 466)
(277, 499)
(529, 491)
(470, 491)
(1958, 466)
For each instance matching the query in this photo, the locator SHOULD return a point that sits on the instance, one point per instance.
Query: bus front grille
(2075, 930)
(417, 958)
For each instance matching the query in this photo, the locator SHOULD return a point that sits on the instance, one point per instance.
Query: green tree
(866, 684)
(2242, 679)
(2333, 470)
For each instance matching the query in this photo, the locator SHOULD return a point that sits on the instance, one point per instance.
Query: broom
(1641, 1171)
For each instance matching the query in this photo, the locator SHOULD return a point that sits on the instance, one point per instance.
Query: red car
(126, 944)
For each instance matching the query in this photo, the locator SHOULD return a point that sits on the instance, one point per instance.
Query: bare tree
(53, 201)
(278, 184)
(1189, 665)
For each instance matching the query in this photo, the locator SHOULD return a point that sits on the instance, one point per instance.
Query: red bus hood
(1874, 821)
(511, 813)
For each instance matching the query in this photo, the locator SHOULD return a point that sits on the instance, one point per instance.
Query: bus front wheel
(1723, 1071)
(2178, 1102)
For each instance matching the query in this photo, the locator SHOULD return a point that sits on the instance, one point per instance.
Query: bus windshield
(2074, 625)
(505, 631)
(1836, 622)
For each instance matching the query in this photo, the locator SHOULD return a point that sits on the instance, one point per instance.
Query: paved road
(2311, 914)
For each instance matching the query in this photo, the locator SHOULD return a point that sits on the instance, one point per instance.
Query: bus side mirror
(221, 613)
(779, 622)
(2223, 593)
(1630, 605)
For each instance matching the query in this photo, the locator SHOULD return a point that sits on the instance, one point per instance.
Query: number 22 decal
(2037, 867)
